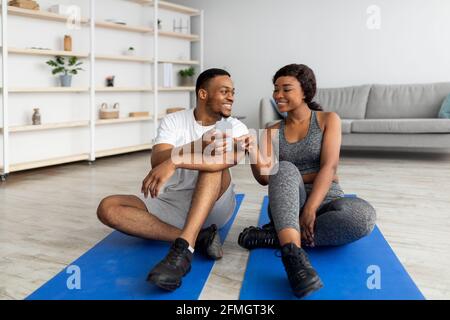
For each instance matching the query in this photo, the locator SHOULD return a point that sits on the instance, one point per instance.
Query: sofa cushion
(406, 101)
(401, 126)
(346, 125)
(347, 102)
(444, 112)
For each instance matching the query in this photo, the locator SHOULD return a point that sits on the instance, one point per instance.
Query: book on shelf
(62, 9)
(139, 114)
(166, 75)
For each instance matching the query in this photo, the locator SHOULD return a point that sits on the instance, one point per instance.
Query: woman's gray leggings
(339, 220)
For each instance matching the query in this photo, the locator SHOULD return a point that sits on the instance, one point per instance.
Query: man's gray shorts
(172, 207)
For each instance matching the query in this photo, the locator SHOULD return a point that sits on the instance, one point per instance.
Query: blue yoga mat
(117, 267)
(346, 271)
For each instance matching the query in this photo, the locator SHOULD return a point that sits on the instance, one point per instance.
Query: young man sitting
(190, 165)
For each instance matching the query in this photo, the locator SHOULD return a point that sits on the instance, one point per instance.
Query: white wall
(253, 38)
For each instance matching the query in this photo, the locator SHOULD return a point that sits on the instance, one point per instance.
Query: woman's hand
(307, 222)
(157, 177)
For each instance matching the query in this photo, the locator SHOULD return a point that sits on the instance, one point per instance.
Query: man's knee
(210, 174)
(107, 211)
(218, 179)
(213, 178)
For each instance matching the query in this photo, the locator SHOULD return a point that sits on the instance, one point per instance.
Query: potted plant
(187, 77)
(69, 68)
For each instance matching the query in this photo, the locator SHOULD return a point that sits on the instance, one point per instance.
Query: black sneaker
(256, 237)
(167, 274)
(302, 276)
(208, 243)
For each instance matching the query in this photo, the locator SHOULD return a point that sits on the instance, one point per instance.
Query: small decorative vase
(67, 43)
(36, 117)
(66, 80)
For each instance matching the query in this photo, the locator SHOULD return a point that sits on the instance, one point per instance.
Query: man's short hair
(205, 76)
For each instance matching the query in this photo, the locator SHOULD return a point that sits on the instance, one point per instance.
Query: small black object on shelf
(110, 81)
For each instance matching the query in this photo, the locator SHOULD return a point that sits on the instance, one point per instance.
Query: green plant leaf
(72, 61)
(58, 70)
(51, 63)
(187, 72)
(60, 60)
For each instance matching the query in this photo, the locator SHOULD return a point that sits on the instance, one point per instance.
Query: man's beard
(210, 107)
(225, 115)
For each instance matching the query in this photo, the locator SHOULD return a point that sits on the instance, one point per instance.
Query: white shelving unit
(91, 91)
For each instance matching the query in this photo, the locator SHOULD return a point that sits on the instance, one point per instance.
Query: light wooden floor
(48, 217)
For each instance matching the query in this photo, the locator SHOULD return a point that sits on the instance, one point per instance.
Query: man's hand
(157, 177)
(214, 142)
(307, 221)
(246, 142)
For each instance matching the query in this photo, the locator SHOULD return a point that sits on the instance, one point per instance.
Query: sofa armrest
(267, 113)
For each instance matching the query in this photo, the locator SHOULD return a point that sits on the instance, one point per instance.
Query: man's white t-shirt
(180, 128)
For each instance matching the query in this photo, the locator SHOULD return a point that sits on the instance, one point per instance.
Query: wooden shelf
(123, 58)
(39, 14)
(177, 89)
(45, 52)
(48, 126)
(185, 62)
(99, 89)
(143, 59)
(110, 152)
(123, 27)
(126, 120)
(122, 120)
(116, 26)
(170, 6)
(139, 28)
(179, 35)
(47, 162)
(124, 89)
(48, 89)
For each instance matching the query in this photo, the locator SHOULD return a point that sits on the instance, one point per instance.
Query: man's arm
(160, 153)
(204, 154)
(201, 161)
(214, 156)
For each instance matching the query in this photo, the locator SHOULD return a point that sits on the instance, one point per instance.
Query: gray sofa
(383, 116)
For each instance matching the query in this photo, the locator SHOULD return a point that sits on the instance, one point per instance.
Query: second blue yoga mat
(116, 268)
(363, 270)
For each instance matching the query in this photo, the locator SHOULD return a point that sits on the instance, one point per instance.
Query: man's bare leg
(209, 188)
(168, 273)
(128, 214)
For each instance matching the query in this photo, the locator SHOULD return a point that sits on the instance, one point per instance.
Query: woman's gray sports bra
(304, 154)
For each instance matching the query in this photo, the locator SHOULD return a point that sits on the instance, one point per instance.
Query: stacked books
(166, 75)
(24, 4)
